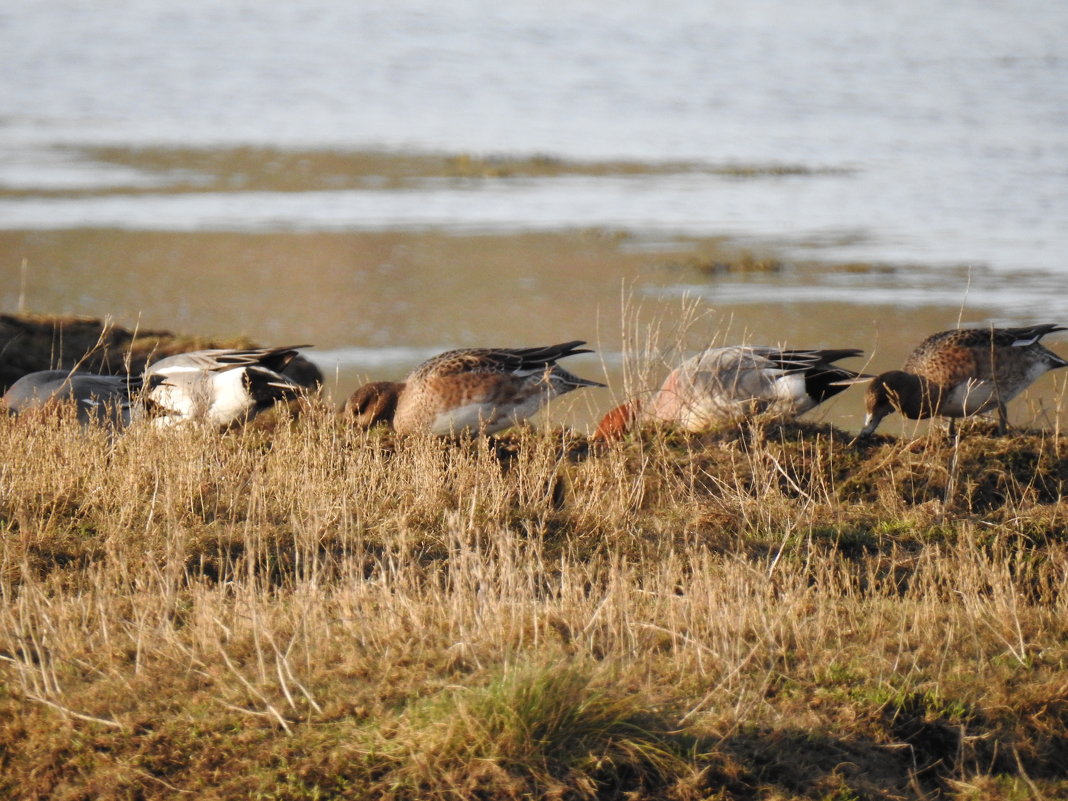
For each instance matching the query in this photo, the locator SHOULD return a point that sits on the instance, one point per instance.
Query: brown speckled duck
(961, 372)
(476, 390)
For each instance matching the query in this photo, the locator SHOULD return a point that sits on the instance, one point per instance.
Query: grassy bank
(303, 611)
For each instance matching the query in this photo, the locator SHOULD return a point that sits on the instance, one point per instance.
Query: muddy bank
(375, 302)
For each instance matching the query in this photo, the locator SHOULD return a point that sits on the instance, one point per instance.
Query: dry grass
(301, 611)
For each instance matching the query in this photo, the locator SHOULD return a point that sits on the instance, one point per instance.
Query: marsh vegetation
(299, 610)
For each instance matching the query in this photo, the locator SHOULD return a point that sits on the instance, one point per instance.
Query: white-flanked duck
(729, 384)
(222, 387)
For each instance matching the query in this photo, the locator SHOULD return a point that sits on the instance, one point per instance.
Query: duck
(729, 384)
(963, 372)
(469, 391)
(217, 359)
(114, 400)
(222, 387)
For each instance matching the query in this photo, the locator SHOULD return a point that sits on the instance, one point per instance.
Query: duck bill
(871, 422)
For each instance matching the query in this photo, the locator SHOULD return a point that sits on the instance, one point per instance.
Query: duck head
(374, 403)
(618, 422)
(895, 391)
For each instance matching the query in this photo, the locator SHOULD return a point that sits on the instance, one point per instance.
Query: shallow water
(950, 119)
(921, 145)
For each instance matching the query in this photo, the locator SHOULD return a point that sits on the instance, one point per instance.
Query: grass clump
(534, 731)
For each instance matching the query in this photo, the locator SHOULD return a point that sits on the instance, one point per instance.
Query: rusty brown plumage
(478, 390)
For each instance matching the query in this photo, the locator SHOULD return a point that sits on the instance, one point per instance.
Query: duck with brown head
(963, 372)
(473, 390)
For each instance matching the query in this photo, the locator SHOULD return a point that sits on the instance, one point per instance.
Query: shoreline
(397, 295)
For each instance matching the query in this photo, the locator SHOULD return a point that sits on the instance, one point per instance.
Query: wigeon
(730, 384)
(474, 390)
(104, 399)
(961, 372)
(222, 387)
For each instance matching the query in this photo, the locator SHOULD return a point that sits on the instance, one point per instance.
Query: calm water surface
(927, 136)
(951, 117)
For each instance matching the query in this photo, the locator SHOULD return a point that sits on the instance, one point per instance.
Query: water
(954, 116)
(952, 119)
(931, 137)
